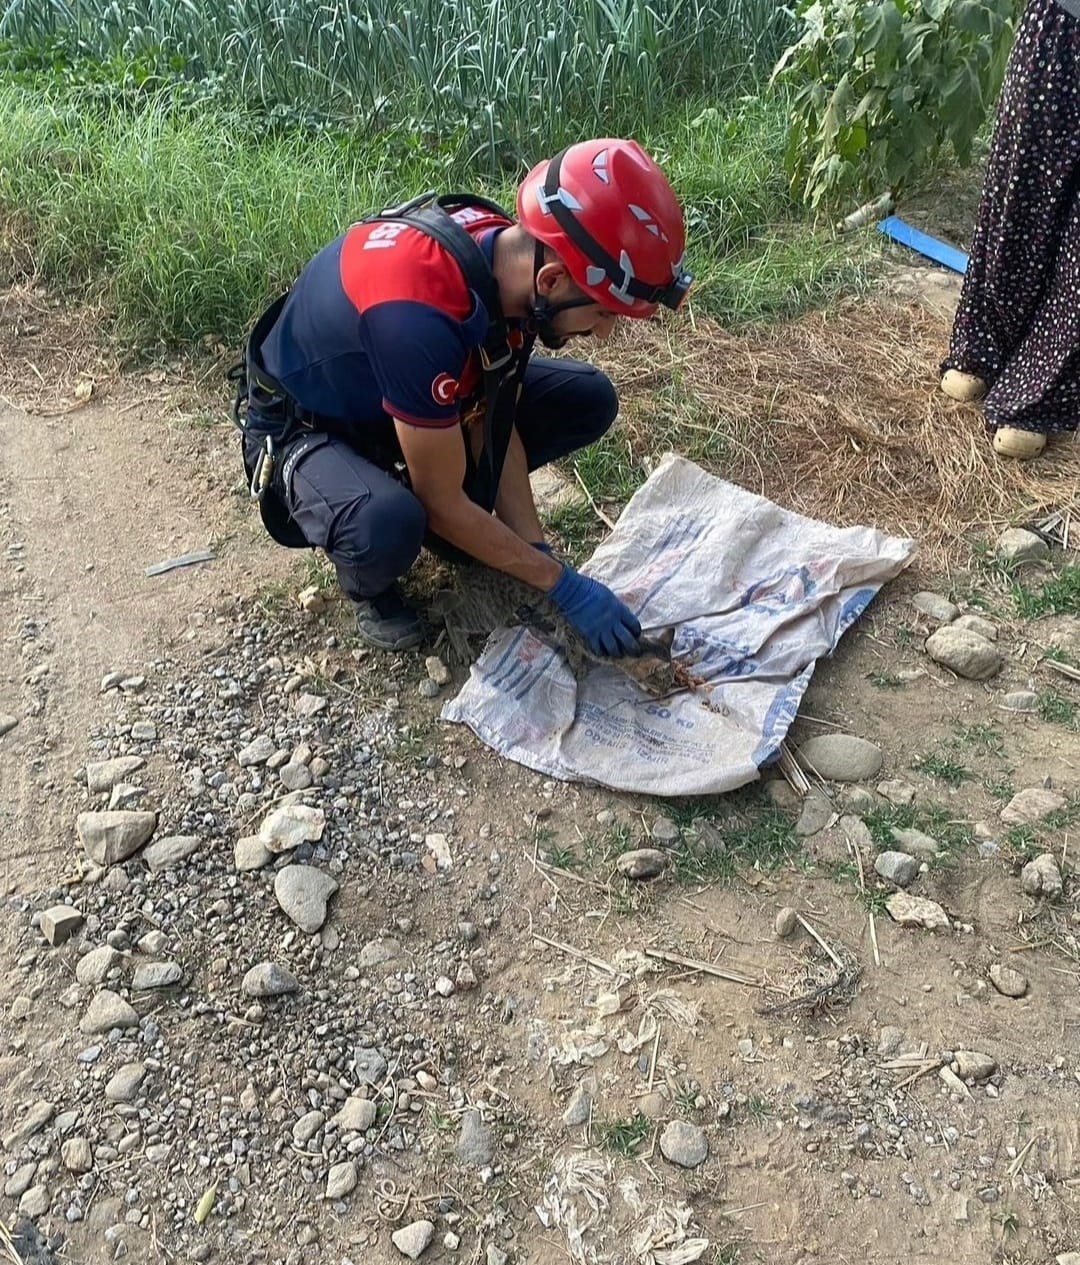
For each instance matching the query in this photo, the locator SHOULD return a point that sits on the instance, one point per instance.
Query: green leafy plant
(880, 89)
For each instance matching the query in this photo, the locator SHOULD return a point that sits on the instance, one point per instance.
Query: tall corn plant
(502, 77)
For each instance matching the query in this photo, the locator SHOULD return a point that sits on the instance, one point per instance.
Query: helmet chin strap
(542, 311)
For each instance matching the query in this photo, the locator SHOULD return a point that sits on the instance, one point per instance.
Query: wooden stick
(820, 941)
(853, 849)
(1018, 1163)
(706, 968)
(599, 963)
(655, 1051)
(930, 1067)
(592, 504)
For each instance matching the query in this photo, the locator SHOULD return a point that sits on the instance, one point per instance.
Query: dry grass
(837, 415)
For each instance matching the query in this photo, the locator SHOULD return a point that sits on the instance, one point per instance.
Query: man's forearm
(515, 505)
(491, 542)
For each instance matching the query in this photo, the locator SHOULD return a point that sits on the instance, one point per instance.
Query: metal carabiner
(263, 473)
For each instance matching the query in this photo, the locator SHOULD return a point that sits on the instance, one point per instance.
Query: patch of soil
(831, 1135)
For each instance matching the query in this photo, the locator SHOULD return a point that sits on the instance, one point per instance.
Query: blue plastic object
(915, 239)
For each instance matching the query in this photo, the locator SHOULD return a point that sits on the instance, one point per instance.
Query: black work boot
(388, 622)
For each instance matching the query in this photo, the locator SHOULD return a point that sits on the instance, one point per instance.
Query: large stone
(976, 624)
(1008, 982)
(379, 952)
(684, 1144)
(295, 777)
(108, 1010)
(897, 867)
(111, 837)
(817, 811)
(579, 1109)
(964, 652)
(153, 975)
(103, 775)
(251, 853)
(840, 757)
(95, 965)
(34, 1121)
(1042, 877)
(7, 723)
(291, 825)
(1020, 546)
(302, 892)
(973, 1065)
(166, 854)
(370, 1065)
(341, 1180)
(935, 607)
(897, 792)
(124, 1085)
(925, 847)
(476, 1145)
(414, 1239)
(308, 1126)
(1031, 805)
(787, 919)
(257, 751)
(643, 863)
(35, 1203)
(77, 1156)
(59, 923)
(308, 705)
(268, 979)
(1020, 701)
(356, 1116)
(917, 911)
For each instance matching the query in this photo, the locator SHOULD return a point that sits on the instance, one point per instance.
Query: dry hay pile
(837, 415)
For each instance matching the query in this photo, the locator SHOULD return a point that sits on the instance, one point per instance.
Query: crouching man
(391, 400)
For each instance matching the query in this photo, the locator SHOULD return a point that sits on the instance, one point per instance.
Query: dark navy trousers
(372, 527)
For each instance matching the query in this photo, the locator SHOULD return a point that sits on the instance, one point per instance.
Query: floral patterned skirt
(1018, 322)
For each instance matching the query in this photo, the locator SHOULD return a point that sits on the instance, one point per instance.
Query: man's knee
(384, 530)
(600, 405)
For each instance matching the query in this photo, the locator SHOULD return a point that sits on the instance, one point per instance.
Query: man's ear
(549, 277)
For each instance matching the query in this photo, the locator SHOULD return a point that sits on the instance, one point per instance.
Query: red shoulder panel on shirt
(388, 260)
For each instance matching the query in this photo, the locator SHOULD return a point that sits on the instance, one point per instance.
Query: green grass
(1059, 595)
(1000, 788)
(942, 767)
(576, 530)
(758, 1109)
(1056, 709)
(500, 79)
(884, 680)
(751, 834)
(185, 220)
(561, 856)
(933, 820)
(981, 737)
(623, 1137)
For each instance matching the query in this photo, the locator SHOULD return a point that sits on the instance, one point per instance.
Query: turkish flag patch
(444, 389)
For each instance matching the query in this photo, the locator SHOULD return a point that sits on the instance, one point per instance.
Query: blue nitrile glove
(607, 625)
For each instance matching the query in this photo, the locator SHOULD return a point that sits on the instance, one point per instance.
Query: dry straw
(838, 415)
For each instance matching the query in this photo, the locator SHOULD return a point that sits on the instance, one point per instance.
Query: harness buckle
(263, 473)
(492, 366)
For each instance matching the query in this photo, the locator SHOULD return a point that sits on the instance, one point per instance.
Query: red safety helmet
(606, 209)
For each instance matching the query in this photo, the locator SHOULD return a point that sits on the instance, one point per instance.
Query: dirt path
(831, 1135)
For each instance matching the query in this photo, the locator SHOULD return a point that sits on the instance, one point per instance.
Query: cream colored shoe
(965, 387)
(1022, 445)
